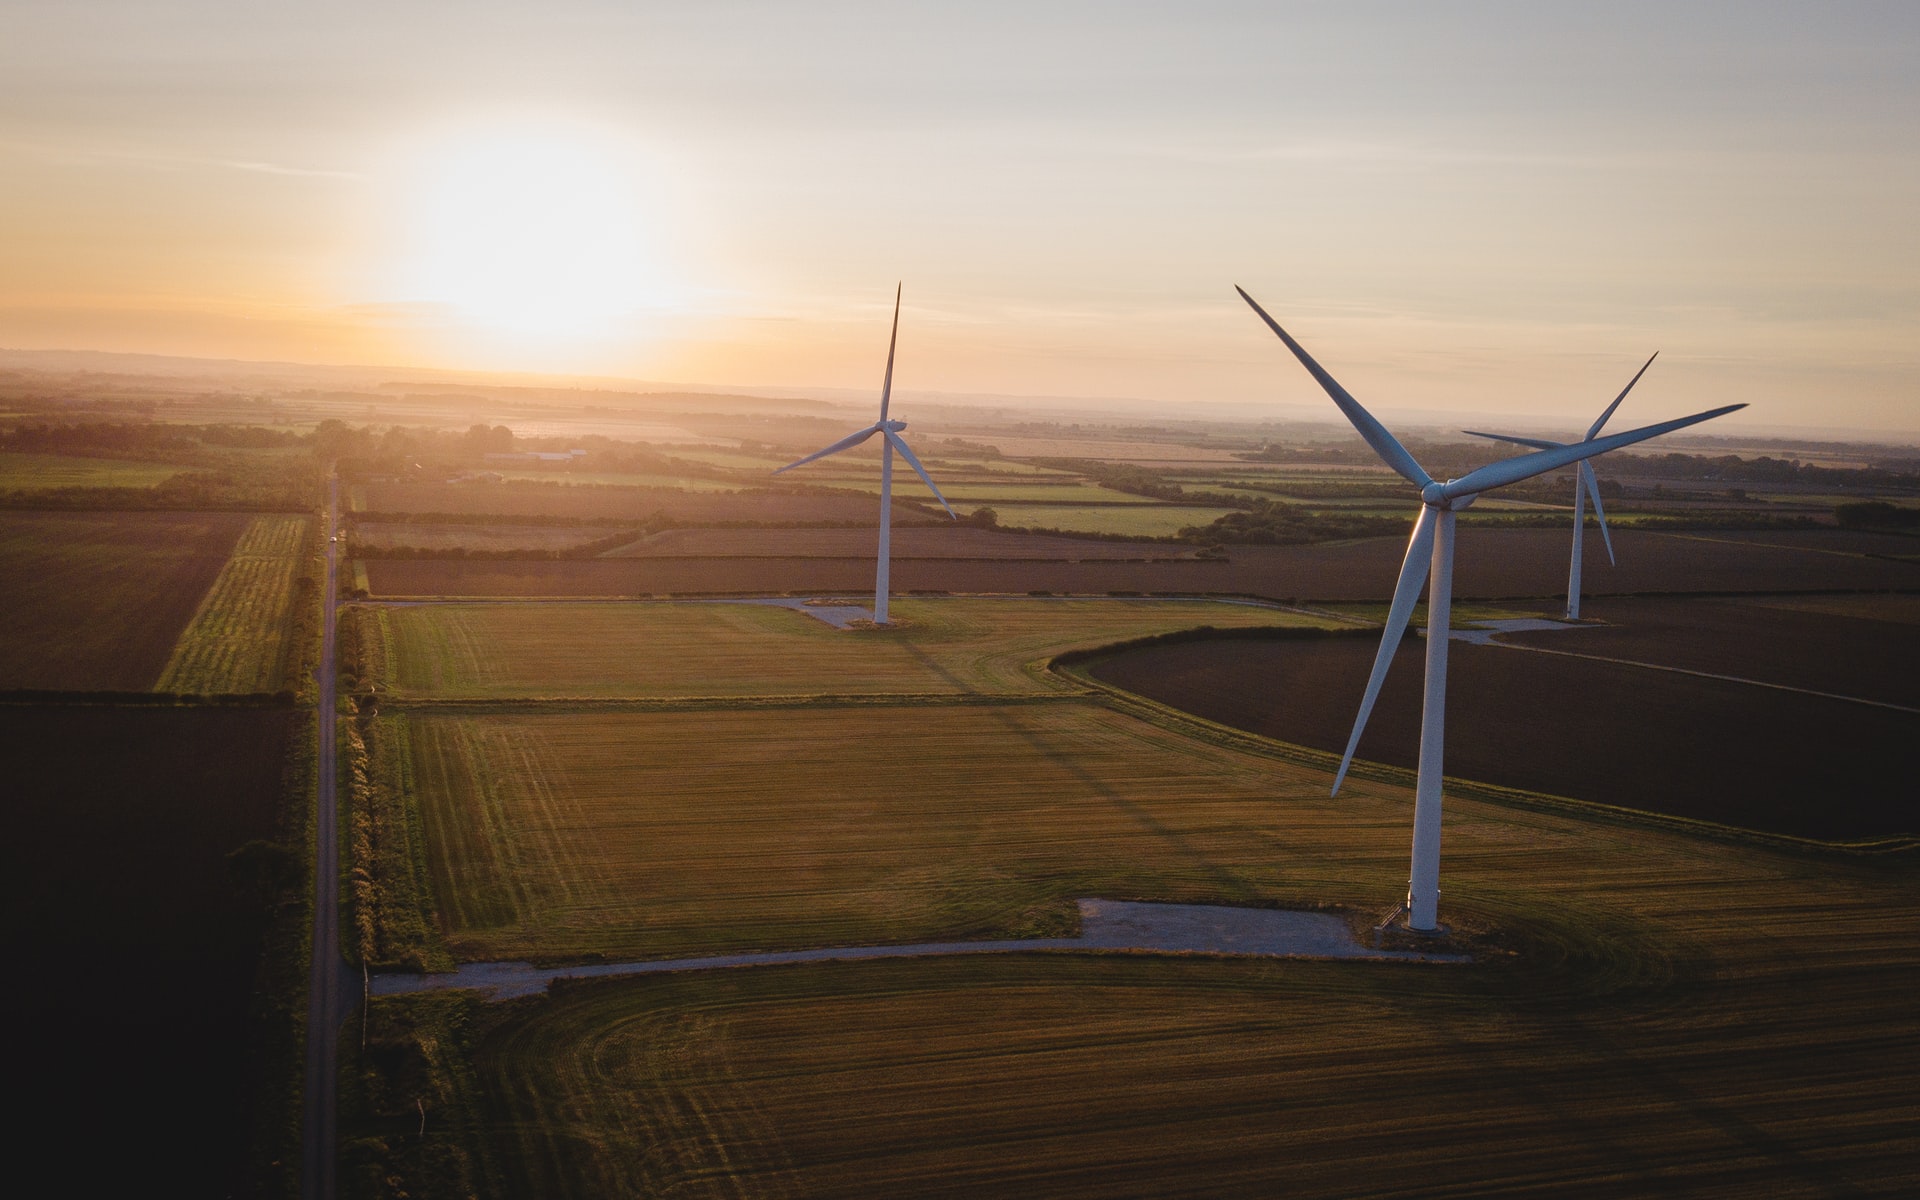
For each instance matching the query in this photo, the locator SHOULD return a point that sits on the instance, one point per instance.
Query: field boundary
(1179, 721)
(645, 704)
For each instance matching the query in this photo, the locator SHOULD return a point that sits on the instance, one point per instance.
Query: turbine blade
(1622, 396)
(1536, 443)
(1384, 444)
(886, 388)
(1599, 510)
(901, 446)
(1526, 466)
(845, 443)
(1406, 592)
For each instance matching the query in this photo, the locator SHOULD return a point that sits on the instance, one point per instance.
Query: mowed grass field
(239, 640)
(694, 649)
(97, 600)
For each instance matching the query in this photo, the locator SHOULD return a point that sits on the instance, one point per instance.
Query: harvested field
(632, 503)
(950, 540)
(433, 536)
(600, 650)
(643, 835)
(1491, 563)
(238, 640)
(1130, 1077)
(1681, 1016)
(97, 600)
(132, 954)
(1700, 748)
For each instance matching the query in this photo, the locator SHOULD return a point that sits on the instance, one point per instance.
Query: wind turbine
(890, 431)
(1584, 486)
(1431, 547)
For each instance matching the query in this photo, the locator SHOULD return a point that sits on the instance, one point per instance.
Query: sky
(1495, 208)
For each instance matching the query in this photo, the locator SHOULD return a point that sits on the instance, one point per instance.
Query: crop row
(239, 639)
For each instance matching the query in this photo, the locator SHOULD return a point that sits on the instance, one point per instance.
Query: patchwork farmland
(657, 804)
(587, 719)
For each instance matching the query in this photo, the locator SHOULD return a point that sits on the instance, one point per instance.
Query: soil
(1758, 758)
(120, 911)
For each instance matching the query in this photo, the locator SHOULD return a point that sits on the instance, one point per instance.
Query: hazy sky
(1494, 207)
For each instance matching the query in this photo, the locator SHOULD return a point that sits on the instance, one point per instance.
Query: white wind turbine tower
(1431, 547)
(890, 431)
(1583, 486)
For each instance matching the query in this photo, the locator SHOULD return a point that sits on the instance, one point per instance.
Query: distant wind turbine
(1584, 486)
(890, 431)
(1431, 547)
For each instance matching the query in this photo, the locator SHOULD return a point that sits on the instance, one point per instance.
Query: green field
(240, 639)
(1140, 519)
(37, 472)
(965, 491)
(687, 483)
(642, 649)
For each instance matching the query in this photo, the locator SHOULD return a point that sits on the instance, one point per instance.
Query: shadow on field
(1229, 883)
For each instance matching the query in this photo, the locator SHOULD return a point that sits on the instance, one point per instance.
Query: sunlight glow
(537, 231)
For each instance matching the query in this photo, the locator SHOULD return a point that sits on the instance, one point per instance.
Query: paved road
(327, 980)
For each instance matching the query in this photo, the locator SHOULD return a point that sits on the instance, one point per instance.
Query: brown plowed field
(929, 541)
(95, 601)
(1508, 562)
(1678, 744)
(552, 500)
(1753, 639)
(131, 956)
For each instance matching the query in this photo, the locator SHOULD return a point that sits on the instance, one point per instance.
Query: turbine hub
(1434, 494)
(893, 426)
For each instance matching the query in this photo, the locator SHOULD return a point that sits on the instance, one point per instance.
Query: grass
(642, 835)
(36, 472)
(1140, 519)
(603, 650)
(690, 483)
(975, 492)
(238, 641)
(1461, 613)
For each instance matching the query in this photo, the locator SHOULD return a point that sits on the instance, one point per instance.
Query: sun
(530, 230)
